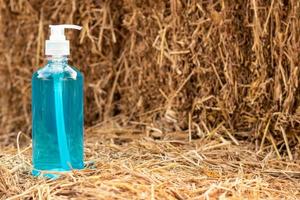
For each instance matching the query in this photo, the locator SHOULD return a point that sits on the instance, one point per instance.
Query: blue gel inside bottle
(57, 118)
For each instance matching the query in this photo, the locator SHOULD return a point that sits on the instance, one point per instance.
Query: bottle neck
(57, 60)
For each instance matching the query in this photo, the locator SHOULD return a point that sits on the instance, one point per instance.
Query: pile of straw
(124, 167)
(221, 69)
(211, 85)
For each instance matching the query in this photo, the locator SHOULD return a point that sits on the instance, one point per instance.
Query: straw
(222, 62)
(60, 123)
(133, 166)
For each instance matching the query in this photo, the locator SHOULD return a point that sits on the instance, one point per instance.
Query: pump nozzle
(57, 43)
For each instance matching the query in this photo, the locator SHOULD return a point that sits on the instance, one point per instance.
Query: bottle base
(51, 173)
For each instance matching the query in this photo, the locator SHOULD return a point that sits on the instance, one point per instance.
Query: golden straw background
(183, 99)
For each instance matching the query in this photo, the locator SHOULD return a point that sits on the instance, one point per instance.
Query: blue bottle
(57, 110)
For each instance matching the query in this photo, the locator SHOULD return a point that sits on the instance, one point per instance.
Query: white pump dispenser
(57, 45)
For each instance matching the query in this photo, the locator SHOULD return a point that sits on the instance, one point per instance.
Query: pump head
(57, 45)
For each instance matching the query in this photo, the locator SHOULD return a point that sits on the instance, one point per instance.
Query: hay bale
(231, 66)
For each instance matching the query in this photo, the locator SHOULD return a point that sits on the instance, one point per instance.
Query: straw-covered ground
(222, 65)
(136, 166)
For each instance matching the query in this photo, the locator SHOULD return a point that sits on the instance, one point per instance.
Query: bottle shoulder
(49, 71)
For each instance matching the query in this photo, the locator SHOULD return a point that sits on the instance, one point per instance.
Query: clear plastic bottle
(57, 117)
